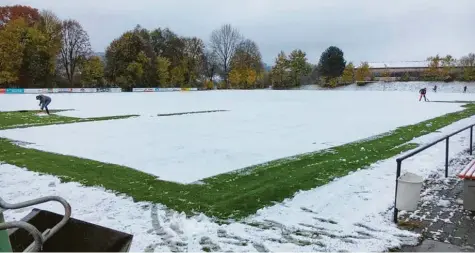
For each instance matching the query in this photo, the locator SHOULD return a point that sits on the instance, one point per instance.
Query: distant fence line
(162, 89)
(87, 90)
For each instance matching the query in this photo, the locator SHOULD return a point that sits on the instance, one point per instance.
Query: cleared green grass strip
(237, 194)
(9, 120)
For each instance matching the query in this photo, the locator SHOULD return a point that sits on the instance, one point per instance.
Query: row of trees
(40, 50)
(448, 68)
(37, 49)
(162, 58)
(438, 69)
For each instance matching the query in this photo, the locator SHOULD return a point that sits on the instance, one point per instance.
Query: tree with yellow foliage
(251, 78)
(348, 74)
(162, 71)
(12, 47)
(298, 66)
(208, 85)
(246, 65)
(177, 78)
(433, 72)
(235, 77)
(280, 71)
(363, 73)
(92, 72)
(448, 64)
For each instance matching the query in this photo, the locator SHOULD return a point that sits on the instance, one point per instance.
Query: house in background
(392, 71)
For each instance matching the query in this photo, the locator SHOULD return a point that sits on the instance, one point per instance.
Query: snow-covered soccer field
(257, 126)
(352, 213)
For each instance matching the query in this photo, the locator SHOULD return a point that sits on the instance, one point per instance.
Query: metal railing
(39, 238)
(420, 149)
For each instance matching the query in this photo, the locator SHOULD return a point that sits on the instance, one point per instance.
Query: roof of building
(400, 64)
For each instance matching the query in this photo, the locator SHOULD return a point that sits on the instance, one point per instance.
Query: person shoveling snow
(422, 93)
(44, 102)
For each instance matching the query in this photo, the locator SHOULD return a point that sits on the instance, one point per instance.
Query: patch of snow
(189, 148)
(443, 203)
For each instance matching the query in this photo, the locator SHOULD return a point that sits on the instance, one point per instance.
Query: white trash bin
(408, 191)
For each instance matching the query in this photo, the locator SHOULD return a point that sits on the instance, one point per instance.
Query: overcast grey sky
(377, 30)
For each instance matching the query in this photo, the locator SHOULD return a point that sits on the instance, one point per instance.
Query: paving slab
(441, 220)
(435, 246)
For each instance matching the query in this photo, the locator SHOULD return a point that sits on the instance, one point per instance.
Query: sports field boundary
(236, 194)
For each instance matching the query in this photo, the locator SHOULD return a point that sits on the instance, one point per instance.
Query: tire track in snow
(173, 245)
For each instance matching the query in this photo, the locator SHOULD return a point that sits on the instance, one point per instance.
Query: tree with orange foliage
(10, 13)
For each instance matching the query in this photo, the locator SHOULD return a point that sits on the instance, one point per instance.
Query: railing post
(447, 157)
(471, 140)
(398, 173)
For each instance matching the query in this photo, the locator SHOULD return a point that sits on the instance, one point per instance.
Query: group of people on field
(423, 92)
(45, 100)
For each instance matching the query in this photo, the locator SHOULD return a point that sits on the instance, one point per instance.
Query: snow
(441, 94)
(42, 114)
(443, 203)
(260, 126)
(151, 104)
(352, 213)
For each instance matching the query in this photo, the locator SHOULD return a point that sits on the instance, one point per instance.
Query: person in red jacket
(423, 92)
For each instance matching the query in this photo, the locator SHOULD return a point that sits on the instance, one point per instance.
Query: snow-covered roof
(399, 64)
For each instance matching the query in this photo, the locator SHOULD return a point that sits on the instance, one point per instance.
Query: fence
(162, 89)
(57, 90)
(87, 90)
(420, 149)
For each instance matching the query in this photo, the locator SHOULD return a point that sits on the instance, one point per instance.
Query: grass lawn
(22, 119)
(230, 195)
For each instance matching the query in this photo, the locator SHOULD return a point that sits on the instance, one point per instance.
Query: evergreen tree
(332, 63)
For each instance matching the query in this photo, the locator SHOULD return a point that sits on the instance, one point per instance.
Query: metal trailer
(46, 231)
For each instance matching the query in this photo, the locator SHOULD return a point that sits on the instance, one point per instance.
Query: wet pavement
(441, 220)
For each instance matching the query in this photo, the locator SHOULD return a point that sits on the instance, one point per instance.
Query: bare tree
(224, 42)
(76, 47)
(467, 61)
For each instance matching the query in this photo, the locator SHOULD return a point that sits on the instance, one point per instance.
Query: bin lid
(412, 178)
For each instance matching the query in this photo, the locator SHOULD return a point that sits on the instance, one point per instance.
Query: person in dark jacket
(435, 88)
(44, 102)
(464, 89)
(423, 92)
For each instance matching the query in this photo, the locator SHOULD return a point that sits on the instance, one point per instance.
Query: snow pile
(42, 114)
(352, 213)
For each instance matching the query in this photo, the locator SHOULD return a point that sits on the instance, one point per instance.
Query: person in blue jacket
(44, 102)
